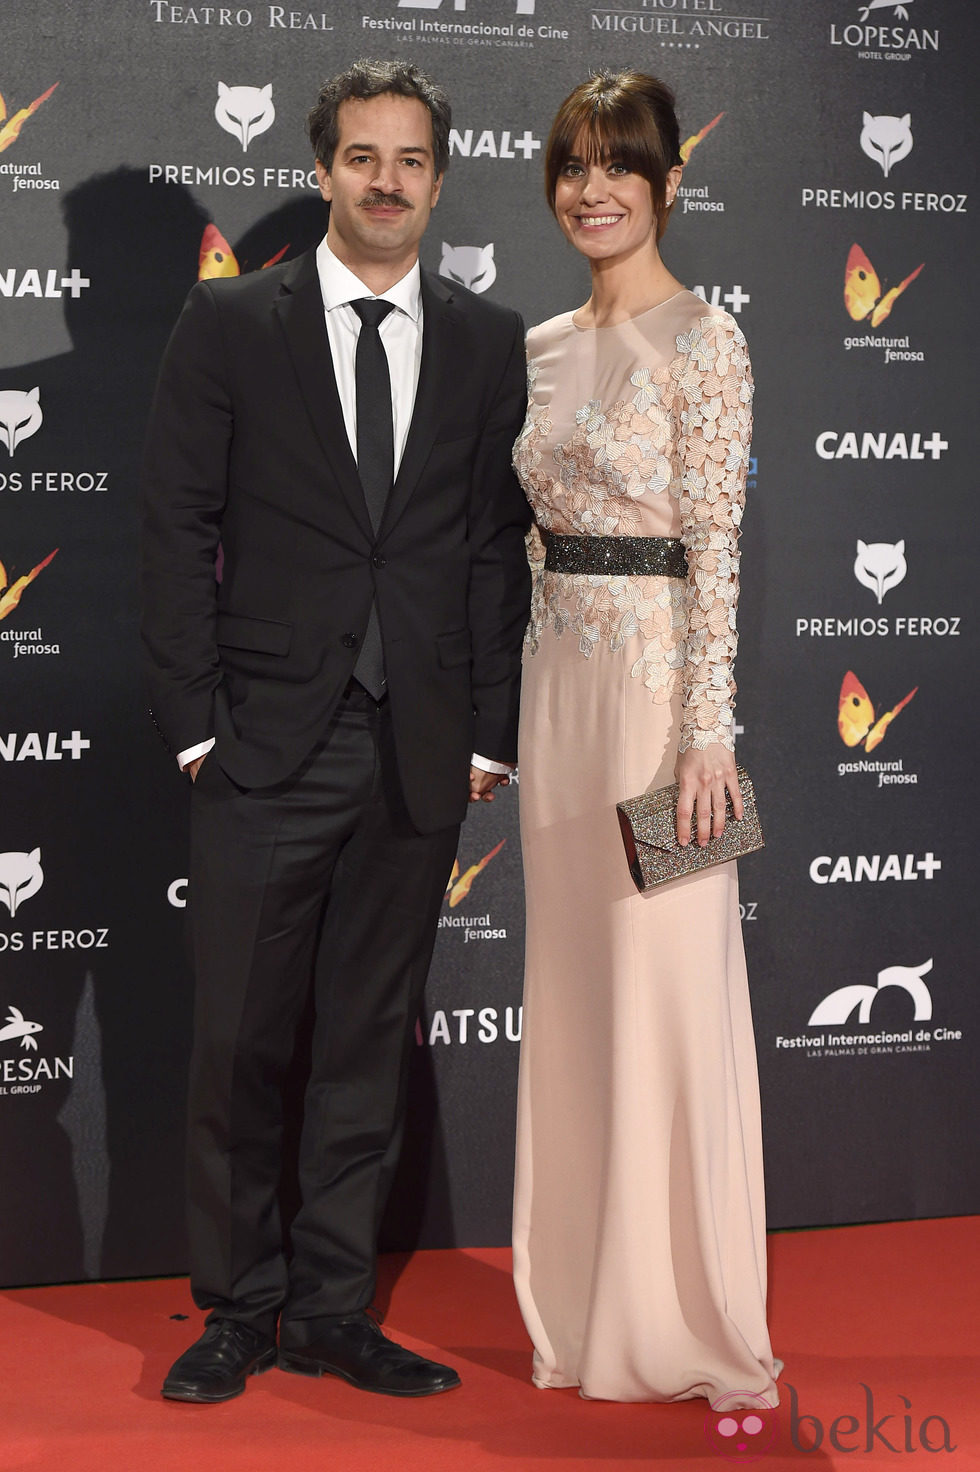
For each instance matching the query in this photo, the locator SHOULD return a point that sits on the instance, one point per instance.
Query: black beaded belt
(616, 556)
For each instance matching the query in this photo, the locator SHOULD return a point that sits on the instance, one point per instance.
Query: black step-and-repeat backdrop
(829, 202)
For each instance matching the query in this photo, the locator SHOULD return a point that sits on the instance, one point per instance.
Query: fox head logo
(839, 1005)
(245, 112)
(21, 876)
(20, 416)
(887, 140)
(880, 566)
(472, 266)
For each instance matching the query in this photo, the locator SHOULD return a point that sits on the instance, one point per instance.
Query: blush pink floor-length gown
(639, 1227)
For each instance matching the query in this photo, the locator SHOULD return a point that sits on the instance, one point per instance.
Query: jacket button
(379, 561)
(349, 641)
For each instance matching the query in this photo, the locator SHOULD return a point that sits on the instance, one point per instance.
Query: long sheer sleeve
(716, 429)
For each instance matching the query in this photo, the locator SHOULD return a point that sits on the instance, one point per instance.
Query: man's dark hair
(367, 79)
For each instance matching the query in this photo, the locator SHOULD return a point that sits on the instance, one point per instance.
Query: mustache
(375, 201)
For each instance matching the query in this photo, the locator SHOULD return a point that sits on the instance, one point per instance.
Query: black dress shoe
(355, 1349)
(216, 1367)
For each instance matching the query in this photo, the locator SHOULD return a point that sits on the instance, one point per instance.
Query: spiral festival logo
(508, 24)
(521, 7)
(856, 1021)
(840, 1005)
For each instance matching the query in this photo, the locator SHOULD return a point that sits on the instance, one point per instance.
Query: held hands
(483, 783)
(703, 777)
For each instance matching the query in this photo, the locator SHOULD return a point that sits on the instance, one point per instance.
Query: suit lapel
(441, 360)
(300, 310)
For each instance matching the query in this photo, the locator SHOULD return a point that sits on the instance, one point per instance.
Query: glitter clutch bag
(649, 828)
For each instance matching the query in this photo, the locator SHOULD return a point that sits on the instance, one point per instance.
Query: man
(343, 424)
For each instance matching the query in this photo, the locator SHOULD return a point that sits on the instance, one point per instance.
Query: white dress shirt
(401, 334)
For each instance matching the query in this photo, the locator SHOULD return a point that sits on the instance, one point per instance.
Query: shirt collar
(339, 285)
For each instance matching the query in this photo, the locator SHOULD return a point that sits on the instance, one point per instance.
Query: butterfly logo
(862, 289)
(856, 720)
(10, 127)
(460, 885)
(217, 258)
(10, 597)
(690, 144)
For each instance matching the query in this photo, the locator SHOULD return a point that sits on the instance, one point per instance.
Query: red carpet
(893, 1308)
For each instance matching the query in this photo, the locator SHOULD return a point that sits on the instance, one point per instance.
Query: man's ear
(323, 179)
(437, 189)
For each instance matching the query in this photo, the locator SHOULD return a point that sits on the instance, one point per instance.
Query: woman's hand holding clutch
(703, 777)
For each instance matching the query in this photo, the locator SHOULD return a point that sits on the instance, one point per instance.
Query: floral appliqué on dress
(685, 431)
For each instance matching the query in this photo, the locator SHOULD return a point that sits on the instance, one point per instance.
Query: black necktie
(375, 434)
(375, 458)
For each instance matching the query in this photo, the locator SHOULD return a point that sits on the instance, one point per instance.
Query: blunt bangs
(625, 118)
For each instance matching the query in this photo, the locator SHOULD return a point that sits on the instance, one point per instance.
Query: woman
(639, 1237)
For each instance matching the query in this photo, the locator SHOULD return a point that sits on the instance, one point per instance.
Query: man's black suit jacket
(247, 446)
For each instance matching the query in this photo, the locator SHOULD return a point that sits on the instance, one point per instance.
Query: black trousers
(321, 882)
